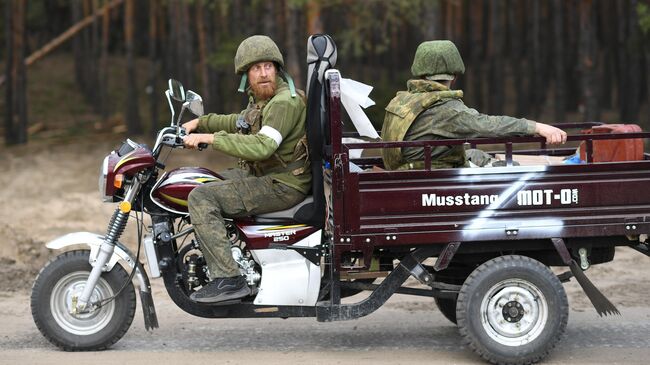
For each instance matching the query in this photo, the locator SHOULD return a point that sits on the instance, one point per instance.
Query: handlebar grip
(202, 146)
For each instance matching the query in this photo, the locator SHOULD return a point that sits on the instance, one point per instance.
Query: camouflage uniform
(429, 110)
(271, 177)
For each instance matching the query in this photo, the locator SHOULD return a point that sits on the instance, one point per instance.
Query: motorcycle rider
(274, 174)
(430, 110)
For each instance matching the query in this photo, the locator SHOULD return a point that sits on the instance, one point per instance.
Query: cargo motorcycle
(494, 234)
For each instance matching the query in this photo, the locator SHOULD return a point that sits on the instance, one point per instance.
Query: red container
(615, 149)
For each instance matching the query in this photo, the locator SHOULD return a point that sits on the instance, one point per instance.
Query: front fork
(105, 252)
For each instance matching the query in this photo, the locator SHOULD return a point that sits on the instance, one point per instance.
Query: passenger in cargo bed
(430, 110)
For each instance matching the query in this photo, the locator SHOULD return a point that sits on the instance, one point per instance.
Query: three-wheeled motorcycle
(493, 234)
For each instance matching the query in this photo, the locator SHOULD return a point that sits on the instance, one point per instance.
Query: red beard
(263, 91)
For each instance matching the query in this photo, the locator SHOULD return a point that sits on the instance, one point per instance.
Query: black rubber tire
(447, 307)
(514, 272)
(454, 274)
(56, 270)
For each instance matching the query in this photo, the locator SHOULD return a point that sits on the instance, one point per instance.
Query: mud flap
(148, 311)
(146, 300)
(602, 305)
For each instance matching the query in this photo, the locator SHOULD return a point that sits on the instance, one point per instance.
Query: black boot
(222, 289)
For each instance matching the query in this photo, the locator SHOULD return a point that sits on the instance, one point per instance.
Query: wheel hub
(63, 305)
(513, 311)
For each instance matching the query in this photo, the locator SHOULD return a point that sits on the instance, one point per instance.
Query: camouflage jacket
(430, 111)
(276, 144)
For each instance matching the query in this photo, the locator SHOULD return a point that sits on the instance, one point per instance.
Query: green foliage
(294, 4)
(222, 58)
(372, 23)
(643, 12)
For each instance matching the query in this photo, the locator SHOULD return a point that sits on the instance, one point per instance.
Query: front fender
(94, 241)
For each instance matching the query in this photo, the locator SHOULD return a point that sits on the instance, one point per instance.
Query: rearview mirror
(176, 90)
(194, 103)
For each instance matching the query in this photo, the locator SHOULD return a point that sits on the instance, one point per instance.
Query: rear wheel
(512, 310)
(447, 306)
(454, 274)
(52, 294)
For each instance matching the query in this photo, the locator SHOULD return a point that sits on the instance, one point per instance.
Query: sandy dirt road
(51, 189)
(405, 331)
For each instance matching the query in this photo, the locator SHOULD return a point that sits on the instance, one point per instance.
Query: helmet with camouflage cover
(255, 49)
(438, 60)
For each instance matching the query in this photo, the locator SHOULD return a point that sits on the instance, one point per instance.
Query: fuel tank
(173, 188)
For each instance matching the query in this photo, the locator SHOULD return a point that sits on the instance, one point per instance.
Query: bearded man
(269, 139)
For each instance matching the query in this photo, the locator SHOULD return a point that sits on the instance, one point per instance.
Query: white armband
(271, 133)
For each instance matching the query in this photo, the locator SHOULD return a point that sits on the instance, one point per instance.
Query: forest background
(80, 67)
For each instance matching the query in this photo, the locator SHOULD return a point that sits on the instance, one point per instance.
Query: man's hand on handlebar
(200, 140)
(191, 125)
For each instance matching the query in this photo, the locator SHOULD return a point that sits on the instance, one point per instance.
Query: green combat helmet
(255, 49)
(259, 48)
(439, 60)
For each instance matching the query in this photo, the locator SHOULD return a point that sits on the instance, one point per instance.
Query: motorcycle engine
(246, 265)
(195, 271)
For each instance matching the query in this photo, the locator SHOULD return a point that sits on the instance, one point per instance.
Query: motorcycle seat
(287, 214)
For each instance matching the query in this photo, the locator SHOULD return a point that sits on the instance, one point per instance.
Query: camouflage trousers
(240, 195)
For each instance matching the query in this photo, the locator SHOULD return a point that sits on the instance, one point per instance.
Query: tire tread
(43, 328)
(504, 262)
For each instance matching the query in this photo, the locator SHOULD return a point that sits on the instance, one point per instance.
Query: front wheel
(64, 278)
(512, 310)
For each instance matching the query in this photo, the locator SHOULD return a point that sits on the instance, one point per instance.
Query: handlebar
(173, 137)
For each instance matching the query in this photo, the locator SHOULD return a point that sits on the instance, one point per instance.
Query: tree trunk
(154, 69)
(171, 50)
(433, 20)
(476, 54)
(269, 21)
(588, 62)
(608, 52)
(573, 85)
(647, 81)
(293, 62)
(94, 58)
(202, 34)
(535, 61)
(69, 33)
(103, 64)
(496, 57)
(632, 66)
(517, 31)
(132, 113)
(20, 94)
(87, 64)
(458, 38)
(215, 30)
(77, 46)
(9, 79)
(314, 22)
(16, 90)
(185, 57)
(559, 71)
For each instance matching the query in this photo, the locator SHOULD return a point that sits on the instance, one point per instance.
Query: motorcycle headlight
(103, 176)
